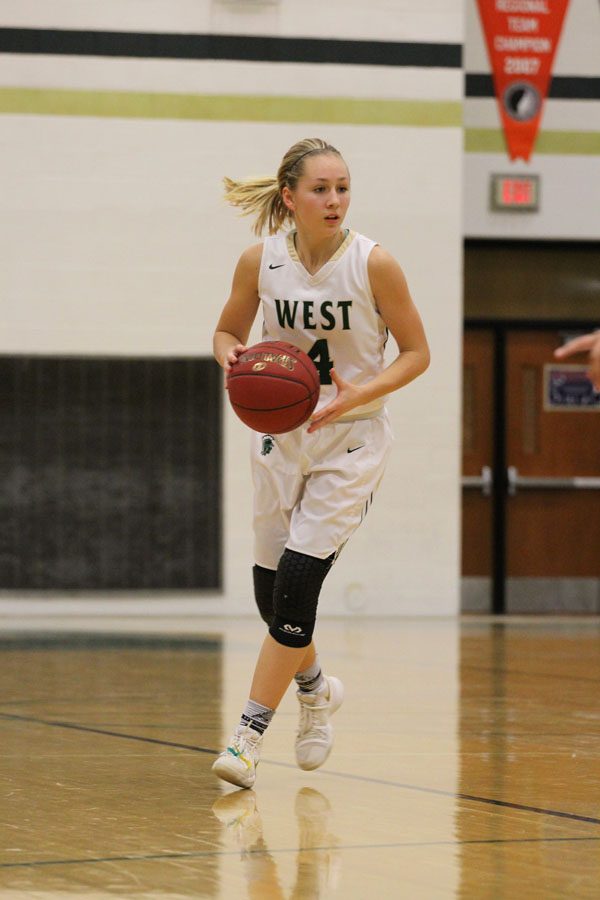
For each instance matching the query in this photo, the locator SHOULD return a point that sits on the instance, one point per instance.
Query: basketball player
(581, 344)
(335, 294)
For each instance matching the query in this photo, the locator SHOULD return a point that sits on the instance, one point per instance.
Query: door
(478, 464)
(531, 476)
(553, 478)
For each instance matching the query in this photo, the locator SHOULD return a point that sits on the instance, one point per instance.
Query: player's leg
(336, 499)
(277, 492)
(278, 487)
(264, 587)
(308, 677)
(275, 668)
(288, 647)
(296, 592)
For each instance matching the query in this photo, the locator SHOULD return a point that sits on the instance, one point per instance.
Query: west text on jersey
(327, 315)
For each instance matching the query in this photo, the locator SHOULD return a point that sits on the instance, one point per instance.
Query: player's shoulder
(248, 266)
(252, 255)
(249, 261)
(385, 273)
(381, 261)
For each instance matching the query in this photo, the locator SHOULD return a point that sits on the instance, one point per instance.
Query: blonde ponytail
(262, 197)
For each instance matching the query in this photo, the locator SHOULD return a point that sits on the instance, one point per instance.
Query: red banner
(522, 37)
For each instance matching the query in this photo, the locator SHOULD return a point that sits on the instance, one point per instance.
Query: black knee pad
(297, 587)
(264, 583)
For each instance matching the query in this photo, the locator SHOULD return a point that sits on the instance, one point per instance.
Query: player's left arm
(401, 316)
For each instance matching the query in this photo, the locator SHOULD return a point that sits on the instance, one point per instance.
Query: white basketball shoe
(314, 739)
(237, 763)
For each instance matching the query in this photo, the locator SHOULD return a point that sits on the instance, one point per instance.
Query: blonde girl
(337, 295)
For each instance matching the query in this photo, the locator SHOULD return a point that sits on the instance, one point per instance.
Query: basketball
(274, 387)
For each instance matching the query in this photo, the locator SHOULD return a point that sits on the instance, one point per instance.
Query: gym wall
(118, 123)
(566, 154)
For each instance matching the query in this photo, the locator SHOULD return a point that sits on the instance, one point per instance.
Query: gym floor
(466, 763)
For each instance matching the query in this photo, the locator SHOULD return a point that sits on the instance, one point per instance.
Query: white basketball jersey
(331, 315)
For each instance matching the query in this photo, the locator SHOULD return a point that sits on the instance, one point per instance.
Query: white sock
(310, 681)
(257, 716)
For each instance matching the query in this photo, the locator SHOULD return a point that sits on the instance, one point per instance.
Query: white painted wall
(393, 20)
(114, 240)
(570, 183)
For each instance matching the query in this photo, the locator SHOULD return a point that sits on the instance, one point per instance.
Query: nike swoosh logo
(354, 449)
(277, 267)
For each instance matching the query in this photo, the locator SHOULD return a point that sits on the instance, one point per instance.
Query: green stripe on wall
(559, 143)
(230, 108)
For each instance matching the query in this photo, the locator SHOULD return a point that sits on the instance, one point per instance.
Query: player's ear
(288, 198)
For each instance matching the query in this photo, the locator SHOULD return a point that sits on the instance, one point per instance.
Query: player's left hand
(348, 396)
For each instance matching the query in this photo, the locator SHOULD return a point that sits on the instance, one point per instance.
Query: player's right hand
(233, 356)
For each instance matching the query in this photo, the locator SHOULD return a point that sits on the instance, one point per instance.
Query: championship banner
(522, 37)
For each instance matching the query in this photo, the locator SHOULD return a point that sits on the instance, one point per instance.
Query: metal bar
(577, 482)
(483, 482)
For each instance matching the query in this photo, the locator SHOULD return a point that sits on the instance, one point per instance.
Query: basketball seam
(269, 409)
(276, 375)
(312, 371)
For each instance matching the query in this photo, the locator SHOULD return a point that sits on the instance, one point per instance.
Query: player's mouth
(332, 218)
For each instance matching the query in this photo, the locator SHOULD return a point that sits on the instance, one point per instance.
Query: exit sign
(515, 192)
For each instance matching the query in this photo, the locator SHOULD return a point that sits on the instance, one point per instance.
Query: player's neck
(315, 253)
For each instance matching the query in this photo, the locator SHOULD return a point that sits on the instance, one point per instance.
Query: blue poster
(568, 387)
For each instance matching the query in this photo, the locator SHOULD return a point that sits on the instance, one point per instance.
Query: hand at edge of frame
(582, 344)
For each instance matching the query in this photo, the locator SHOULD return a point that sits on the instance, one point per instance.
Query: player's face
(322, 195)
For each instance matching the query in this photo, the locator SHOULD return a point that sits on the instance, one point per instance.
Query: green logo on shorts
(267, 445)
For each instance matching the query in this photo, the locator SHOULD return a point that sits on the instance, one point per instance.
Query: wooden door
(553, 458)
(531, 476)
(477, 465)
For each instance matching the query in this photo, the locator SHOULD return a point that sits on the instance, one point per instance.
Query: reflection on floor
(466, 764)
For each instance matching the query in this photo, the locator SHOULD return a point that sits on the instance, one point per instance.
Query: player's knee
(296, 595)
(264, 583)
(291, 632)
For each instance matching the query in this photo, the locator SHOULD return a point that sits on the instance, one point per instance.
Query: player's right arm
(239, 312)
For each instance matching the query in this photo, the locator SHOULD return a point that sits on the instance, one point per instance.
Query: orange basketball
(273, 387)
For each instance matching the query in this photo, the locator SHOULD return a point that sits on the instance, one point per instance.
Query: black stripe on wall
(562, 87)
(232, 47)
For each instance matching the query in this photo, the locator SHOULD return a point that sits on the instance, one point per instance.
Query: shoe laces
(314, 716)
(245, 741)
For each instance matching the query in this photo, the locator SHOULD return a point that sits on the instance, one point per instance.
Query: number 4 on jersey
(319, 353)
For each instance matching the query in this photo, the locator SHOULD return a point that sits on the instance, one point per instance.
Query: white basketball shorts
(311, 491)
